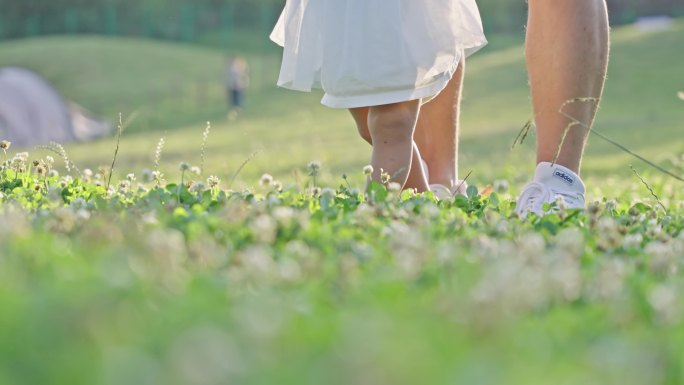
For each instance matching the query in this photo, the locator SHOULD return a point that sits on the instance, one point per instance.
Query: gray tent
(32, 112)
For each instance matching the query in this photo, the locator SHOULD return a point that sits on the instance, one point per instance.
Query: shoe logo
(567, 178)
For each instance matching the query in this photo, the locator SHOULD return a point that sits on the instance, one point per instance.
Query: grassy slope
(163, 83)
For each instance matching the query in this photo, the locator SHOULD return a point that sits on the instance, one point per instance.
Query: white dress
(373, 52)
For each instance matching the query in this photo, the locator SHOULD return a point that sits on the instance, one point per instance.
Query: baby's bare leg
(416, 178)
(437, 132)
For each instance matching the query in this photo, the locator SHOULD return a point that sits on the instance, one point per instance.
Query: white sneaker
(552, 183)
(442, 192)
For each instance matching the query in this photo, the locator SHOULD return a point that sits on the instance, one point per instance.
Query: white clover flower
(17, 161)
(63, 183)
(124, 185)
(571, 240)
(130, 177)
(53, 173)
(266, 180)
(328, 192)
(196, 170)
(264, 228)
(500, 186)
(664, 300)
(283, 214)
(147, 175)
(661, 258)
(368, 170)
(88, 173)
(277, 186)
(213, 181)
(632, 241)
(314, 166)
(393, 187)
(49, 160)
(532, 245)
(197, 187)
(5, 145)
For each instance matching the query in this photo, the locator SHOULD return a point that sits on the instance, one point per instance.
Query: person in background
(237, 82)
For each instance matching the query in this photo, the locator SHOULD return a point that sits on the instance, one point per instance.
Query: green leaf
(377, 192)
(472, 191)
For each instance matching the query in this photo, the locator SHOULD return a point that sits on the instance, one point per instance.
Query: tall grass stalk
(116, 150)
(158, 152)
(249, 159)
(59, 150)
(205, 137)
(648, 187)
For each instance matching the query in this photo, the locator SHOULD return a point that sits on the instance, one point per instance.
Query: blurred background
(163, 65)
(212, 20)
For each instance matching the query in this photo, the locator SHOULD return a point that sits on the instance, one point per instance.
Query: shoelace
(533, 198)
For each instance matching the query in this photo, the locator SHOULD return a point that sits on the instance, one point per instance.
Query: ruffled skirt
(373, 52)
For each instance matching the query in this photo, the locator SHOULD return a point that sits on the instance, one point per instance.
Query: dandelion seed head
(184, 166)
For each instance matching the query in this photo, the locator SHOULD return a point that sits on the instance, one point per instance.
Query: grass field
(174, 89)
(188, 281)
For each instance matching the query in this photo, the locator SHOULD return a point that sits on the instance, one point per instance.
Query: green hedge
(188, 19)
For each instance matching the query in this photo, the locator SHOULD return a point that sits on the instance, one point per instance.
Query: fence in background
(189, 20)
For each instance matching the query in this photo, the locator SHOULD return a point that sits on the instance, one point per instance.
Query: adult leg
(437, 132)
(567, 58)
(416, 178)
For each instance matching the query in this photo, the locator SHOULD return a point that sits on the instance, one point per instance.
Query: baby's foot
(442, 192)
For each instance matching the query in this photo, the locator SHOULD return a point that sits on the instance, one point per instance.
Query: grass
(175, 89)
(169, 284)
